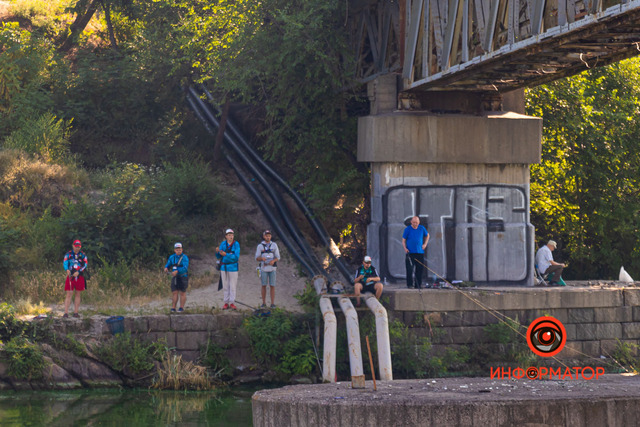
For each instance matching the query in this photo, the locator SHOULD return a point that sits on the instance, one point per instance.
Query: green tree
(585, 191)
(290, 63)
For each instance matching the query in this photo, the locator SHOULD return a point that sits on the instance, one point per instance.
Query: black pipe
(267, 212)
(319, 229)
(284, 213)
(258, 198)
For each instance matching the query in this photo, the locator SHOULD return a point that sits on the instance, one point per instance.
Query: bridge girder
(489, 45)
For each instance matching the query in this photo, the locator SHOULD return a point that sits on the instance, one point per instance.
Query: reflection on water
(124, 408)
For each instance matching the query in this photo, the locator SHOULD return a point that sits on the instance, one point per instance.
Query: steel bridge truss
(490, 45)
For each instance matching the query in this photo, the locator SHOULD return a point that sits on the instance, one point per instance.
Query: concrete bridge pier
(460, 164)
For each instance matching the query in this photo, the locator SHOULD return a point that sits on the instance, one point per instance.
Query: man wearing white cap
(228, 253)
(268, 254)
(546, 264)
(178, 265)
(367, 280)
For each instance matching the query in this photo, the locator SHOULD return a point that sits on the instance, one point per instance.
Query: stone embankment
(185, 334)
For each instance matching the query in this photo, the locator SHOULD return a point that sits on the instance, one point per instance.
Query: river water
(125, 408)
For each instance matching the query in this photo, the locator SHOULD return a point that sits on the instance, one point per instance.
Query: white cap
(367, 259)
(177, 245)
(229, 231)
(552, 243)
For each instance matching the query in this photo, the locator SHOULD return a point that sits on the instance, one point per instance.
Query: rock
(58, 378)
(302, 380)
(88, 371)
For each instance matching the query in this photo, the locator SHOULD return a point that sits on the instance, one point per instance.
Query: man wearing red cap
(75, 262)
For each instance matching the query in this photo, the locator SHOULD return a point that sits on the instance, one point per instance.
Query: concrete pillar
(464, 171)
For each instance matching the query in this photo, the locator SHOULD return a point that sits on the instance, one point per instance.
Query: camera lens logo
(546, 336)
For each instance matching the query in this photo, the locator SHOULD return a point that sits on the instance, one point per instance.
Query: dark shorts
(179, 283)
(369, 287)
(74, 284)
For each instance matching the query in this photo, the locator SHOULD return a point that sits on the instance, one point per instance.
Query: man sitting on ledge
(367, 280)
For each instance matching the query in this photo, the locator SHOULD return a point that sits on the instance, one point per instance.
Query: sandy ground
(288, 283)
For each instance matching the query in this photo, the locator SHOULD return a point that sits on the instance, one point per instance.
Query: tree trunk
(78, 26)
(107, 17)
(217, 148)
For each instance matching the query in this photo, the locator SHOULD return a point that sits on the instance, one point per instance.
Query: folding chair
(539, 277)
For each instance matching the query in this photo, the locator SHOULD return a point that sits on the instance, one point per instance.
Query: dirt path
(288, 283)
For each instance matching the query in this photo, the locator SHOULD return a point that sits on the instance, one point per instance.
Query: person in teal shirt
(228, 253)
(178, 265)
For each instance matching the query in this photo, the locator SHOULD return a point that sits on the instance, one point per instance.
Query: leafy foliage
(186, 186)
(129, 219)
(281, 342)
(25, 359)
(47, 138)
(10, 326)
(214, 357)
(127, 354)
(26, 68)
(625, 357)
(308, 298)
(512, 344)
(412, 354)
(584, 194)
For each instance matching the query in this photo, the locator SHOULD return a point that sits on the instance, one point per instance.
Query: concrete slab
(612, 400)
(505, 298)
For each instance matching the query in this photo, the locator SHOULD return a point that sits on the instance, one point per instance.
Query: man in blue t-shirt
(414, 241)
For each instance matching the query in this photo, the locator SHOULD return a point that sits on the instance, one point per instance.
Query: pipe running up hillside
(308, 262)
(275, 196)
(317, 226)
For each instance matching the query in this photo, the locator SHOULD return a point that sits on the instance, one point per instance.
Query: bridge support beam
(465, 175)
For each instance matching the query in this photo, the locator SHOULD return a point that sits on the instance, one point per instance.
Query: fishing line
(495, 313)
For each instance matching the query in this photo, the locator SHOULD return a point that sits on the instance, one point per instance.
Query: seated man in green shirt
(367, 280)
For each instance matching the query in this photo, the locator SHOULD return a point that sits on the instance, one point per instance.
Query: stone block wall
(594, 319)
(186, 333)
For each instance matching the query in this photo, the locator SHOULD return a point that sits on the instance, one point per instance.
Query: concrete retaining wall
(187, 333)
(593, 318)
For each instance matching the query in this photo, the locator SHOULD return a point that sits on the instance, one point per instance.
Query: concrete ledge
(429, 138)
(505, 299)
(612, 400)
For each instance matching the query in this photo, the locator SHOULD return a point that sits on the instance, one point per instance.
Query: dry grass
(104, 293)
(177, 374)
(49, 14)
(29, 183)
(25, 307)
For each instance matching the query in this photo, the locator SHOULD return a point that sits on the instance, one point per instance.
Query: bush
(281, 342)
(25, 359)
(26, 66)
(7, 239)
(46, 137)
(213, 356)
(32, 184)
(308, 298)
(42, 14)
(127, 222)
(127, 354)
(625, 357)
(10, 326)
(511, 342)
(187, 186)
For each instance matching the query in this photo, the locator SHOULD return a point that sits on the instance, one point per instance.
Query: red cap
(77, 243)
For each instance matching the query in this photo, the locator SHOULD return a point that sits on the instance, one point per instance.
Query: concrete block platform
(611, 400)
